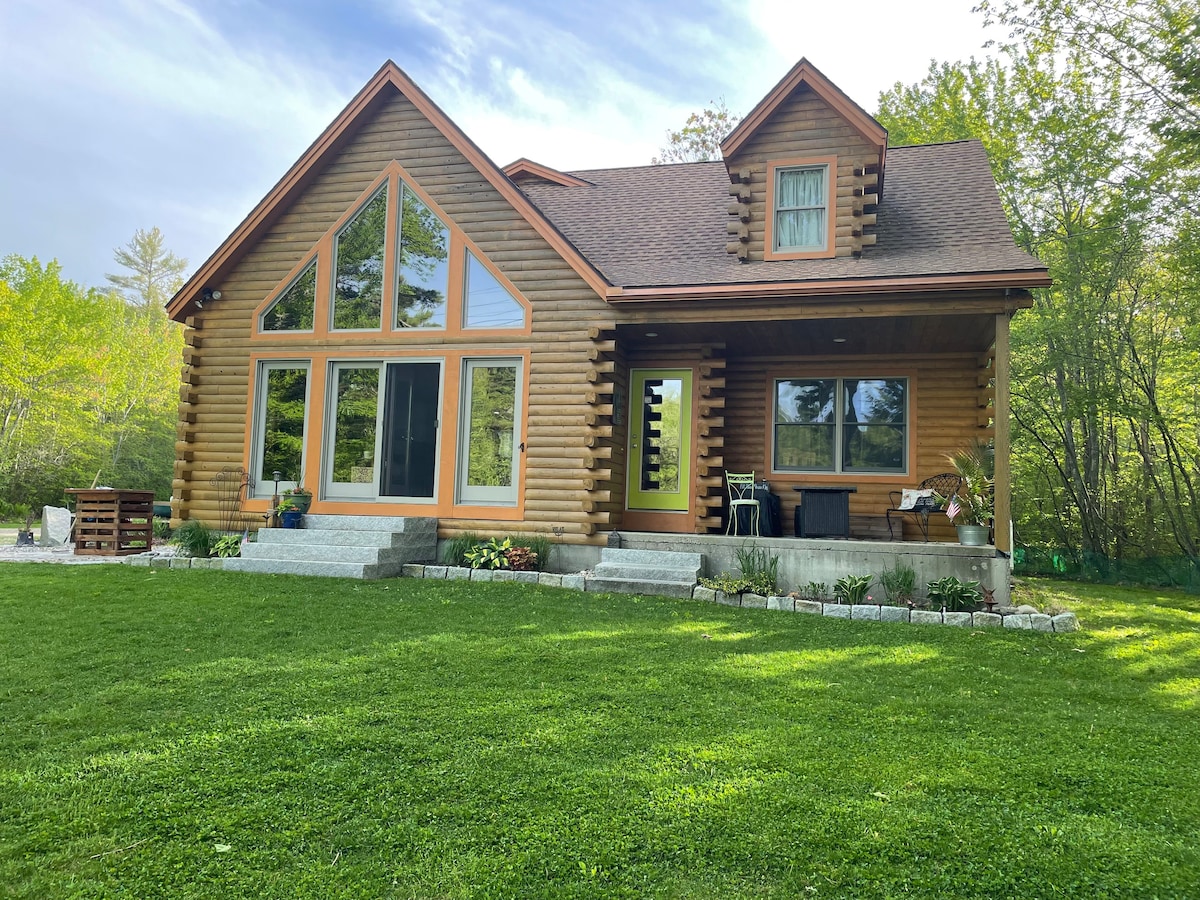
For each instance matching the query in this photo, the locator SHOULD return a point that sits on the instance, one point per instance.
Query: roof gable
(526, 169)
(804, 73)
(390, 78)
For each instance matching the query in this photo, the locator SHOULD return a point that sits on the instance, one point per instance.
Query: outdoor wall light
(206, 295)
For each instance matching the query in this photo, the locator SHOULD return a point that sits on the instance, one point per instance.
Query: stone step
(638, 586)
(671, 574)
(395, 524)
(362, 571)
(344, 537)
(665, 558)
(327, 553)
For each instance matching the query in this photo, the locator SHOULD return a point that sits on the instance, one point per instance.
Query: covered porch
(943, 364)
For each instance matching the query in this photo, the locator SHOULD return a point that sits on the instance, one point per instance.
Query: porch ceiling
(819, 337)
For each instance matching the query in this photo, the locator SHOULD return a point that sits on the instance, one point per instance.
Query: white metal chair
(741, 496)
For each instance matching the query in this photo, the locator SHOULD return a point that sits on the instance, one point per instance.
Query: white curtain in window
(800, 220)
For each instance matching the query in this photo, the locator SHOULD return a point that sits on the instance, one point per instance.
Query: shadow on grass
(454, 738)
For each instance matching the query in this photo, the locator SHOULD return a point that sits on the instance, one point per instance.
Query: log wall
(562, 450)
(947, 409)
(804, 127)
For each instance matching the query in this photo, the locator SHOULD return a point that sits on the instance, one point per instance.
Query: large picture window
(358, 267)
(490, 423)
(280, 418)
(841, 425)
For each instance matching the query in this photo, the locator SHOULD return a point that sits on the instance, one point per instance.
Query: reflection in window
(873, 429)
(805, 425)
(293, 309)
(866, 432)
(423, 271)
(487, 303)
(285, 390)
(358, 255)
(356, 405)
(493, 399)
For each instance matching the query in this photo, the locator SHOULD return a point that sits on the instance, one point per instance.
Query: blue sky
(125, 114)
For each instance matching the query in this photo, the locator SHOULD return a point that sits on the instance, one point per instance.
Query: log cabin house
(410, 330)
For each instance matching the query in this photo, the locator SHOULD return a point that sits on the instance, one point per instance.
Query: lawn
(202, 734)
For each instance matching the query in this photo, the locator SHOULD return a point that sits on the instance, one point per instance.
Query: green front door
(660, 439)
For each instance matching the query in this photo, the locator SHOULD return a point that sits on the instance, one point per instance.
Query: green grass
(201, 734)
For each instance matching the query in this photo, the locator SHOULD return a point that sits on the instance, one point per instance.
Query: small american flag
(953, 508)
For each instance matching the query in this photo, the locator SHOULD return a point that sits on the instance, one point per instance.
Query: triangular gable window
(486, 302)
(293, 309)
(424, 271)
(358, 254)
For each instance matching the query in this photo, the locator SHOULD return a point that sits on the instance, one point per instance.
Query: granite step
(394, 524)
(318, 552)
(665, 573)
(361, 571)
(334, 537)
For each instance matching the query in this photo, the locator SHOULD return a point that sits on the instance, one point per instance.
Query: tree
(156, 272)
(1104, 407)
(699, 140)
(1149, 44)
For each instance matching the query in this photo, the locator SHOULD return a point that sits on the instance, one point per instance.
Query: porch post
(1003, 483)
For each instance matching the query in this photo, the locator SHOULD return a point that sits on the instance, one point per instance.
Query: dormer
(806, 173)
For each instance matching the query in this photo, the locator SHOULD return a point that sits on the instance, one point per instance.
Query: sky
(124, 114)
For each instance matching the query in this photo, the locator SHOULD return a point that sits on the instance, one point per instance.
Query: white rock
(56, 526)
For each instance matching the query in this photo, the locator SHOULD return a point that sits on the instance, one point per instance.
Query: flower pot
(973, 535)
(302, 501)
(290, 518)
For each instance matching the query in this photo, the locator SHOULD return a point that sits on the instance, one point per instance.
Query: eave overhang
(1019, 280)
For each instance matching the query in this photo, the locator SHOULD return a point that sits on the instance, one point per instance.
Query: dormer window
(800, 225)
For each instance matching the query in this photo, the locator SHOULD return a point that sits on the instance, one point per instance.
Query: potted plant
(289, 513)
(300, 496)
(974, 500)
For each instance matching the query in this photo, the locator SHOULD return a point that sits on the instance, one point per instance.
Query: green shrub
(194, 538)
(162, 529)
(759, 568)
(899, 583)
(457, 548)
(492, 554)
(227, 545)
(954, 595)
(852, 588)
(736, 584)
(814, 590)
(538, 544)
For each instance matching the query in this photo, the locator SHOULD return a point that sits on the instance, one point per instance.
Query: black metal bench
(944, 486)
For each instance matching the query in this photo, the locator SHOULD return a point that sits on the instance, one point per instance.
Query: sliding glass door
(381, 434)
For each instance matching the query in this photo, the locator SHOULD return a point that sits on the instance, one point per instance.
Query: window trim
(394, 178)
(258, 489)
(383, 187)
(839, 424)
(312, 259)
(465, 494)
(828, 250)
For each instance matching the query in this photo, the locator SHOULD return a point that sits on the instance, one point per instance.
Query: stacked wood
(710, 438)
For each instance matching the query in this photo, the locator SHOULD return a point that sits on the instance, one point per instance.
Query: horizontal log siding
(213, 427)
(943, 412)
(804, 126)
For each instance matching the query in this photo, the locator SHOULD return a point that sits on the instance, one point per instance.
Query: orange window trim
(445, 503)
(393, 174)
(826, 252)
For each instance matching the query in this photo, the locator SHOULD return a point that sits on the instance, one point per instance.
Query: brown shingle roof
(657, 226)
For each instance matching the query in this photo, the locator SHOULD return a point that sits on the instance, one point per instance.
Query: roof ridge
(971, 140)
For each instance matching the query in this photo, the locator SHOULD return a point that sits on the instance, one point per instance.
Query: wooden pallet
(113, 523)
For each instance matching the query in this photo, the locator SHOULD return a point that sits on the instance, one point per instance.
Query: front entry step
(666, 573)
(363, 547)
